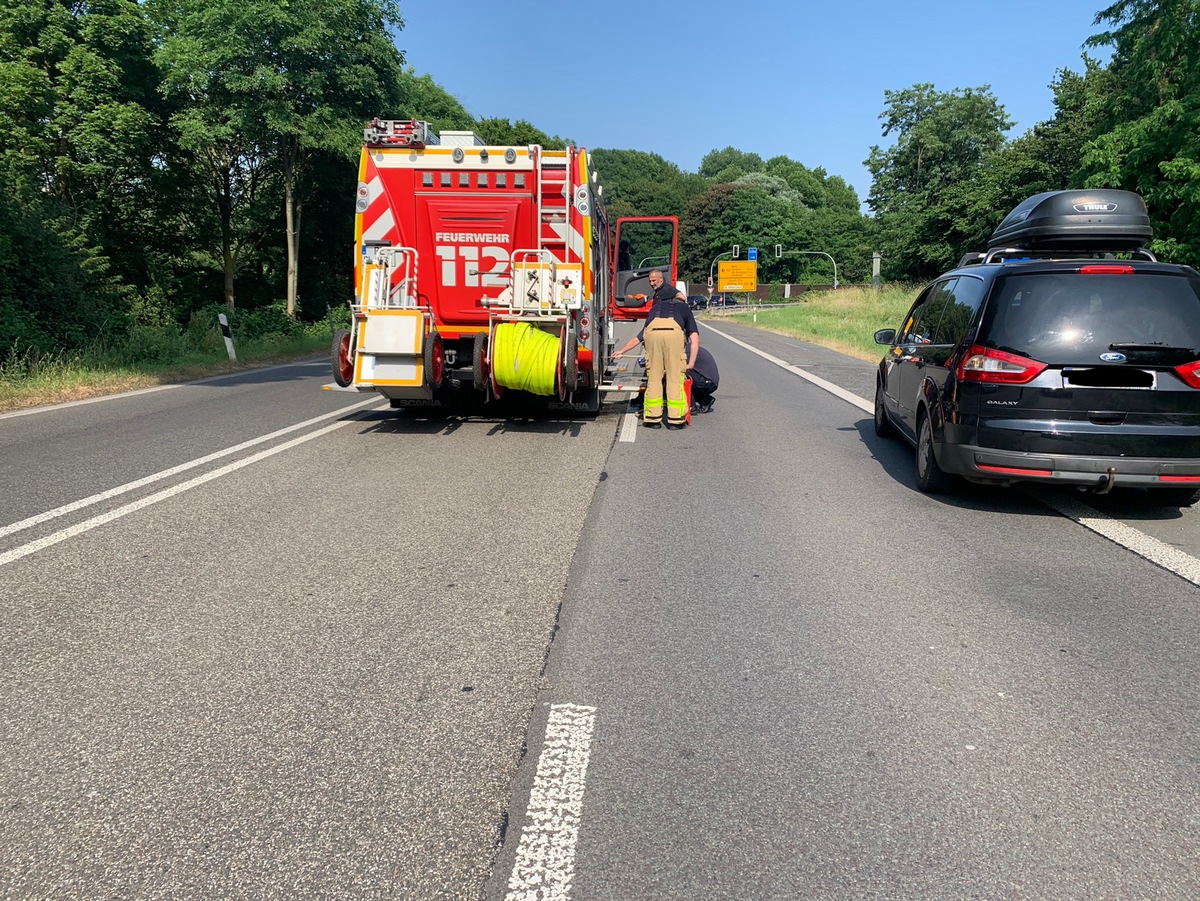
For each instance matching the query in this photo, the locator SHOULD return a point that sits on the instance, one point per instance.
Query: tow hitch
(1107, 483)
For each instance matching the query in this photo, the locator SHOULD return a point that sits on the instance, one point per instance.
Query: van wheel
(1175, 497)
(883, 425)
(930, 477)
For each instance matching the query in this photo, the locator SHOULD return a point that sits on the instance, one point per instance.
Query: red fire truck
(483, 271)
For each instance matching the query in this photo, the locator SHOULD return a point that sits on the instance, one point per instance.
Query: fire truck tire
(571, 366)
(435, 360)
(560, 381)
(479, 362)
(342, 359)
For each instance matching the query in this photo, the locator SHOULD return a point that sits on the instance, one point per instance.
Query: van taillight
(1190, 373)
(983, 364)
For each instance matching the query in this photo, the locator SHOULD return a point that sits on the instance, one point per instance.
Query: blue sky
(800, 79)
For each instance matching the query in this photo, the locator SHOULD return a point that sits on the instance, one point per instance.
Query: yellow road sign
(737, 275)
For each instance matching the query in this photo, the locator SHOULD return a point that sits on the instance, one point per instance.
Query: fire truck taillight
(360, 203)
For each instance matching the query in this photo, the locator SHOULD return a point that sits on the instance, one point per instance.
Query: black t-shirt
(706, 366)
(666, 304)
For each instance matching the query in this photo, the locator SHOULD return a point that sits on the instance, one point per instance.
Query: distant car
(1048, 360)
(722, 300)
(697, 302)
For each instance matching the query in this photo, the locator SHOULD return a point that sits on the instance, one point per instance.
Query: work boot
(651, 425)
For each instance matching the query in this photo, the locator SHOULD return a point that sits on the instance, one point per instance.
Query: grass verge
(844, 320)
(59, 378)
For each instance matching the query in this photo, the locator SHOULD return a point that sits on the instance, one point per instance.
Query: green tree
(272, 85)
(921, 185)
(503, 131)
(637, 183)
(77, 128)
(816, 188)
(1150, 136)
(710, 226)
(424, 99)
(729, 164)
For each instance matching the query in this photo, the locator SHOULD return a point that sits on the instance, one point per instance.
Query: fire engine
(483, 271)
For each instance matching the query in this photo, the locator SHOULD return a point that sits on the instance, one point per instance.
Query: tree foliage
(159, 156)
(1149, 135)
(269, 86)
(921, 193)
(637, 183)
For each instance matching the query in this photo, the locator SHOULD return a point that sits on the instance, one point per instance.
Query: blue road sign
(752, 253)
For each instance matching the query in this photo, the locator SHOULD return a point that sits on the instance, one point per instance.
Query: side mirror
(885, 336)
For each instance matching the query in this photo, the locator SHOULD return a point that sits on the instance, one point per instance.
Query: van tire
(930, 477)
(883, 425)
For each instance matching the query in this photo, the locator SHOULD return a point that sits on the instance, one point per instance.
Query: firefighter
(672, 341)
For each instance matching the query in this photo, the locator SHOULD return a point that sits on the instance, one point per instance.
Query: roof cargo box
(1100, 219)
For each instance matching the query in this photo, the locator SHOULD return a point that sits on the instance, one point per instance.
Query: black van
(1064, 354)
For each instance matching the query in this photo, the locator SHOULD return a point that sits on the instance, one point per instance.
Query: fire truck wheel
(435, 360)
(479, 362)
(342, 359)
(560, 381)
(571, 366)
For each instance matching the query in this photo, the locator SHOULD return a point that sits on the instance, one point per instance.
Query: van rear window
(1069, 317)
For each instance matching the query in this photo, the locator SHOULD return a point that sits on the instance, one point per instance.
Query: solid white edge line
(1145, 546)
(833, 389)
(1158, 552)
(545, 858)
(167, 473)
(88, 524)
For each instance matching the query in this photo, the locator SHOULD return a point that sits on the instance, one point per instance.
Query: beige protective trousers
(665, 356)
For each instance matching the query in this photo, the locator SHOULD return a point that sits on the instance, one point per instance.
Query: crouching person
(704, 376)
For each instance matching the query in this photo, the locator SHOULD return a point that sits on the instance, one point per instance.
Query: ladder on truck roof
(554, 202)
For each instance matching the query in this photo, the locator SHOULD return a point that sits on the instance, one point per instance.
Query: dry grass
(844, 320)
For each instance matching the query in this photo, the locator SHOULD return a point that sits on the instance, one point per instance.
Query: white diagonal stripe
(167, 473)
(88, 524)
(381, 227)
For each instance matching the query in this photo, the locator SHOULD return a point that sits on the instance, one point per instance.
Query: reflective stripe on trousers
(665, 356)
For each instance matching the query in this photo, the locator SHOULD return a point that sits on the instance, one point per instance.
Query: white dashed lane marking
(629, 426)
(545, 859)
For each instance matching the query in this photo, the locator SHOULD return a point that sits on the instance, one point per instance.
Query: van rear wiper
(1157, 345)
(1161, 354)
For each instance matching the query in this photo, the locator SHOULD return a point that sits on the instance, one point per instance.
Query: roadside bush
(150, 344)
(262, 322)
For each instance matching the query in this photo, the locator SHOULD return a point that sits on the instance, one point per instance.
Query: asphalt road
(258, 644)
